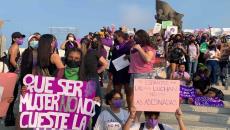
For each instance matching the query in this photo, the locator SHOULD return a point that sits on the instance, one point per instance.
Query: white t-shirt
(106, 121)
(136, 126)
(5, 68)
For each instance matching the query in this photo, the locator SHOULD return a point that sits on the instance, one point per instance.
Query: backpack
(159, 125)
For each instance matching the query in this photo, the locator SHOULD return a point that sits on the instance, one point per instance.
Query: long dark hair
(69, 35)
(143, 38)
(44, 50)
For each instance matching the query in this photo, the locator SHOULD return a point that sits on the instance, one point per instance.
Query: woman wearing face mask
(14, 65)
(73, 62)
(28, 57)
(122, 77)
(212, 58)
(177, 56)
(107, 120)
(152, 121)
(14, 53)
(70, 42)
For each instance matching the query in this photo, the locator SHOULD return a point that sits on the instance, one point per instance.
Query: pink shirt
(137, 63)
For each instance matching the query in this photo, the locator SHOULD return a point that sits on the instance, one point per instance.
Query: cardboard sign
(56, 103)
(165, 24)
(156, 95)
(157, 28)
(7, 84)
(172, 29)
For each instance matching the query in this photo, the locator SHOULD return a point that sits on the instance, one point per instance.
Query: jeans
(192, 67)
(223, 72)
(213, 68)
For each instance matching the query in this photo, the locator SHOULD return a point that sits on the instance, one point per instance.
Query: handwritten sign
(172, 29)
(7, 84)
(216, 31)
(156, 95)
(157, 28)
(56, 103)
(165, 24)
(120, 62)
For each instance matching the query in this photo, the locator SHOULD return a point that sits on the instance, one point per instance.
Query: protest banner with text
(156, 95)
(7, 84)
(56, 103)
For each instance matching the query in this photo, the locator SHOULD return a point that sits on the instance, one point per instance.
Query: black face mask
(116, 41)
(73, 64)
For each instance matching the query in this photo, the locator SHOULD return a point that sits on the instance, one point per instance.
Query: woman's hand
(23, 90)
(10, 99)
(178, 114)
(137, 46)
(132, 113)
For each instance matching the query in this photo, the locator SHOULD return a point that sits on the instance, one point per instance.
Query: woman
(14, 53)
(29, 57)
(177, 56)
(152, 122)
(107, 120)
(70, 42)
(193, 53)
(142, 58)
(121, 77)
(212, 58)
(90, 70)
(14, 63)
(48, 61)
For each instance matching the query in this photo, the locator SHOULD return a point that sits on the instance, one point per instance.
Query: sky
(29, 16)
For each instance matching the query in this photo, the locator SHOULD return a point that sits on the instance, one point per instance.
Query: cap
(32, 36)
(18, 35)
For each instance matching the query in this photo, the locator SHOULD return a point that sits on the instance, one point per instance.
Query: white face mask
(71, 39)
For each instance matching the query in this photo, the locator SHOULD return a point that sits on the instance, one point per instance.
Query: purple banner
(187, 92)
(56, 103)
(210, 102)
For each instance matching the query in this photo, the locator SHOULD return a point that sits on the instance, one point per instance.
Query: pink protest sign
(56, 103)
(156, 95)
(7, 84)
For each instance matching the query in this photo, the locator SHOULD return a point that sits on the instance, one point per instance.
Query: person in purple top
(121, 78)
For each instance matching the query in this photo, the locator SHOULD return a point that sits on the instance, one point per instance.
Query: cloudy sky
(29, 16)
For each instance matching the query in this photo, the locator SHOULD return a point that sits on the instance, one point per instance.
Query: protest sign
(56, 103)
(120, 62)
(156, 95)
(216, 31)
(7, 84)
(165, 24)
(172, 29)
(157, 28)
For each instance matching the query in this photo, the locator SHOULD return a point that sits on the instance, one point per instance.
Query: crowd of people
(197, 60)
